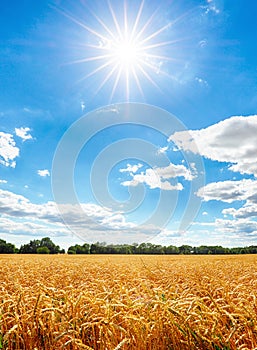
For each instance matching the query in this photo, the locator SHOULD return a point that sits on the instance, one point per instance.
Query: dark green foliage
(43, 250)
(33, 246)
(6, 248)
(46, 246)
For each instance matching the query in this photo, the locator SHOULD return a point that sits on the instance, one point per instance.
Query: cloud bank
(233, 141)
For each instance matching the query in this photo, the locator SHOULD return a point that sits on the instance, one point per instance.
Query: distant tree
(133, 248)
(171, 249)
(252, 249)
(32, 246)
(234, 250)
(6, 248)
(84, 249)
(46, 242)
(78, 249)
(185, 249)
(71, 250)
(98, 248)
(43, 250)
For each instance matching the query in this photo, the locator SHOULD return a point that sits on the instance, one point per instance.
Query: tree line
(46, 246)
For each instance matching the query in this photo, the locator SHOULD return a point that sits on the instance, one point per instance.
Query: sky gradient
(146, 110)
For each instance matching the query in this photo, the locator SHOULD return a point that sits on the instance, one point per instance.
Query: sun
(126, 54)
(126, 49)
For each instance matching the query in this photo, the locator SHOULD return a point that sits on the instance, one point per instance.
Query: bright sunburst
(127, 50)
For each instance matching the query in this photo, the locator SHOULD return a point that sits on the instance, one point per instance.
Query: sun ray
(115, 20)
(81, 24)
(137, 19)
(150, 19)
(90, 59)
(116, 83)
(156, 33)
(127, 84)
(107, 77)
(137, 81)
(125, 21)
(148, 77)
(98, 69)
(104, 26)
(126, 48)
(164, 43)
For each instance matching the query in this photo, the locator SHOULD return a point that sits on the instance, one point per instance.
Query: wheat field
(128, 302)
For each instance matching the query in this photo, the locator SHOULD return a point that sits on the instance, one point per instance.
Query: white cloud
(43, 173)
(157, 177)
(174, 171)
(248, 210)
(89, 221)
(163, 150)
(229, 191)
(3, 182)
(233, 140)
(23, 133)
(8, 150)
(153, 180)
(131, 168)
(244, 227)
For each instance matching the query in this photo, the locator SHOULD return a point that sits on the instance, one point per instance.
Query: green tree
(47, 242)
(171, 249)
(31, 247)
(185, 249)
(6, 248)
(43, 250)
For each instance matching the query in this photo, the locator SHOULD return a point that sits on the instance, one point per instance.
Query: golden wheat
(128, 302)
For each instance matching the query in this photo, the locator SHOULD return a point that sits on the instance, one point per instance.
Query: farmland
(128, 302)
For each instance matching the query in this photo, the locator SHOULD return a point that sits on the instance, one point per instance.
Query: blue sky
(128, 121)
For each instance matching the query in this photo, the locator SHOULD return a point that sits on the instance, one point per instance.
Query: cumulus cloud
(131, 168)
(248, 210)
(23, 133)
(158, 177)
(8, 150)
(153, 180)
(3, 181)
(20, 216)
(174, 171)
(233, 140)
(43, 173)
(229, 191)
(243, 227)
(244, 190)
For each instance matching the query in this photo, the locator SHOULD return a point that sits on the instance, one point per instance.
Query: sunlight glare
(126, 53)
(125, 48)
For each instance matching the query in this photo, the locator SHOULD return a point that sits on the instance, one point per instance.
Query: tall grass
(128, 302)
